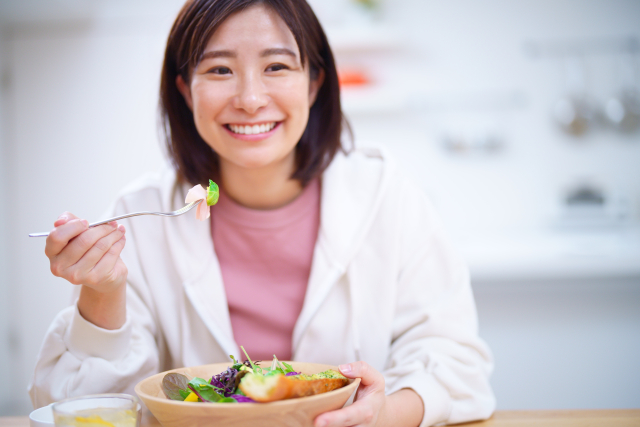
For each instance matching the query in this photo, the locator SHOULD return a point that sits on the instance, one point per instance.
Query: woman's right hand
(91, 257)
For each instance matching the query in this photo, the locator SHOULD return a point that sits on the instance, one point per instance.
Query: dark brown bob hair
(192, 157)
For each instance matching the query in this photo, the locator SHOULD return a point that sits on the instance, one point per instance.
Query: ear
(314, 87)
(185, 90)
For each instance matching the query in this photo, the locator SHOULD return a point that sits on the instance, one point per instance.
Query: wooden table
(559, 418)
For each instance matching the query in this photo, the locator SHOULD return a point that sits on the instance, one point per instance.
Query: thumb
(367, 374)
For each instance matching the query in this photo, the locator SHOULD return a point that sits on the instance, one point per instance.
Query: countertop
(555, 418)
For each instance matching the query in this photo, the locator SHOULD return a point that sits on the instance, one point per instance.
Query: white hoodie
(385, 287)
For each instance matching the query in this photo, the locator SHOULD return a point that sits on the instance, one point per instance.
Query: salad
(246, 382)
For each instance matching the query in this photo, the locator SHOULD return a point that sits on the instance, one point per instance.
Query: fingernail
(63, 216)
(85, 222)
(121, 228)
(345, 369)
(113, 224)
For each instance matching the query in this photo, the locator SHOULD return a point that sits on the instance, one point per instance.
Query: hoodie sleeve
(436, 350)
(78, 358)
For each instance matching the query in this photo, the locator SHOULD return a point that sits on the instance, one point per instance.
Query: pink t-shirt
(265, 258)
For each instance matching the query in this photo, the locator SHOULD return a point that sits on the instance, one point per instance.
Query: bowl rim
(353, 385)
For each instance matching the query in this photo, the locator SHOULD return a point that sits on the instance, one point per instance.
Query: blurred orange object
(351, 77)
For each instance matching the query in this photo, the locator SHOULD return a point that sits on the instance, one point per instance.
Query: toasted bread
(279, 387)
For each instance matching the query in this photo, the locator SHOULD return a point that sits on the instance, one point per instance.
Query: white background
(559, 303)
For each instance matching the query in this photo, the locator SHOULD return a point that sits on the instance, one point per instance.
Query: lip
(258, 137)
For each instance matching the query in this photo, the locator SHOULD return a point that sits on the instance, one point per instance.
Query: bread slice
(271, 388)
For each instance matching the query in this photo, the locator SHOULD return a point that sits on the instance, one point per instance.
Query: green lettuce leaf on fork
(213, 193)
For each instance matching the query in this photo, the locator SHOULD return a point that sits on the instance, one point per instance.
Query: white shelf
(553, 254)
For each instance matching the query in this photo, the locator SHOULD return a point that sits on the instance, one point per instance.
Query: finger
(359, 413)
(80, 245)
(87, 263)
(106, 269)
(367, 374)
(60, 236)
(64, 218)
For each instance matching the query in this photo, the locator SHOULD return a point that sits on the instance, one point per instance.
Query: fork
(179, 212)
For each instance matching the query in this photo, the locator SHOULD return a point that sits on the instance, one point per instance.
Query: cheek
(208, 102)
(295, 100)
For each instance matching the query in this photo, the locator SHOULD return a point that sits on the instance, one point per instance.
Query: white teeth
(252, 130)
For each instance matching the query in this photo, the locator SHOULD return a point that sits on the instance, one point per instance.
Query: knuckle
(75, 277)
(112, 276)
(363, 367)
(367, 414)
(114, 250)
(92, 278)
(84, 240)
(117, 247)
(55, 269)
(53, 238)
(102, 245)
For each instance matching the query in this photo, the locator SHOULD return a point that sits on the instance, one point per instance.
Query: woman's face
(250, 94)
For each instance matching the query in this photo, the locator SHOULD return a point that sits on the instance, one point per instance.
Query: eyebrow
(278, 51)
(231, 54)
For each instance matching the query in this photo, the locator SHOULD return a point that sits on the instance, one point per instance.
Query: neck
(264, 188)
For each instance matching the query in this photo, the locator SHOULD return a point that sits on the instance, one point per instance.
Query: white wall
(83, 101)
(80, 113)
(5, 342)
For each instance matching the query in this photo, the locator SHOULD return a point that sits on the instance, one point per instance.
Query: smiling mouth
(251, 129)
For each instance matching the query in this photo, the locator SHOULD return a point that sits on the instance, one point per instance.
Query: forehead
(252, 29)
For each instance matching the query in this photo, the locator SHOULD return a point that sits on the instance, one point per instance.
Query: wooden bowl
(293, 412)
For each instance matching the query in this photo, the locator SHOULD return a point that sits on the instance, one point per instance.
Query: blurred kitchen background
(521, 119)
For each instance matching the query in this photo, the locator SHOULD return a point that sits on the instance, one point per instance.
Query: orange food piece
(289, 388)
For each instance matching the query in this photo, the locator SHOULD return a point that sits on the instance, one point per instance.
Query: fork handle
(95, 224)
(104, 221)
(179, 212)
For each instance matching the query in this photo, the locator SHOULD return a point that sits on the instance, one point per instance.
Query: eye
(219, 70)
(277, 67)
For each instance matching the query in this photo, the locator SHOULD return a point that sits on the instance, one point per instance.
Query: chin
(254, 163)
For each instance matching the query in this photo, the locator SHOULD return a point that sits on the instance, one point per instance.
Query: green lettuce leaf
(205, 391)
(213, 193)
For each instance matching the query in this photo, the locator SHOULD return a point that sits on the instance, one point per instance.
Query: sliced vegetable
(192, 397)
(240, 398)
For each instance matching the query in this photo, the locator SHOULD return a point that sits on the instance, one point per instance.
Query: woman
(313, 253)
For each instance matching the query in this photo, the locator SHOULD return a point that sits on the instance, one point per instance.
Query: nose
(252, 94)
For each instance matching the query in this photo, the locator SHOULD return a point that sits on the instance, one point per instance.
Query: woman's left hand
(369, 405)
